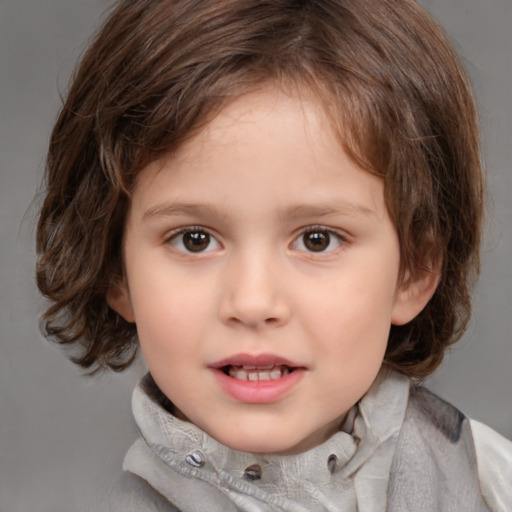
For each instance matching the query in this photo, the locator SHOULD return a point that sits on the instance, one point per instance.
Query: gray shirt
(349, 472)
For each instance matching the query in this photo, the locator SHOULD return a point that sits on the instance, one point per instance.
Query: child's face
(260, 244)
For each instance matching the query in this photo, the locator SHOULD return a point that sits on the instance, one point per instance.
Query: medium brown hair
(158, 70)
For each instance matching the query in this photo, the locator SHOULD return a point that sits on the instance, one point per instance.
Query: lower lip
(261, 391)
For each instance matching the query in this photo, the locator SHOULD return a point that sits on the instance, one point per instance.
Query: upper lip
(255, 360)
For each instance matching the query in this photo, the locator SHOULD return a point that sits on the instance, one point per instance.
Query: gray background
(63, 436)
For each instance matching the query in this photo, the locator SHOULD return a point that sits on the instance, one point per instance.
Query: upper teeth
(268, 367)
(255, 373)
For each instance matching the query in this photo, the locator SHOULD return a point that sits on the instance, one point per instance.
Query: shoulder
(494, 458)
(434, 458)
(493, 452)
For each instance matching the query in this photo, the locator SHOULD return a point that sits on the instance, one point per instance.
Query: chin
(265, 445)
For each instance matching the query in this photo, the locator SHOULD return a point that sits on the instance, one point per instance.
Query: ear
(413, 295)
(118, 298)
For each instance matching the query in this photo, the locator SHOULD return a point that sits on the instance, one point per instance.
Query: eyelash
(175, 238)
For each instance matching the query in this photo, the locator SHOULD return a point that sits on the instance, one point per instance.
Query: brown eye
(316, 241)
(194, 241)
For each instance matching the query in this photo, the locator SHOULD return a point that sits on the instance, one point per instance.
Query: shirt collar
(350, 467)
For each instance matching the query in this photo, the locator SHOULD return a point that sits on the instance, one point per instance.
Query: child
(281, 202)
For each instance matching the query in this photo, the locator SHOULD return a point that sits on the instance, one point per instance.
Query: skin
(266, 170)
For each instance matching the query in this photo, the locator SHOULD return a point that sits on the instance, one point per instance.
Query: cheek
(170, 315)
(171, 328)
(350, 350)
(351, 317)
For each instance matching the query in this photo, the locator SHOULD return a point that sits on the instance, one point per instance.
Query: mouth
(253, 368)
(258, 379)
(257, 373)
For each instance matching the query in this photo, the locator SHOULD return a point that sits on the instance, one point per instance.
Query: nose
(254, 293)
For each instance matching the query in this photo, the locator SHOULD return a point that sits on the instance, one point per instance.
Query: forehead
(270, 144)
(252, 119)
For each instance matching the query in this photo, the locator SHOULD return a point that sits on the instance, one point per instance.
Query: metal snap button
(253, 473)
(195, 459)
(332, 461)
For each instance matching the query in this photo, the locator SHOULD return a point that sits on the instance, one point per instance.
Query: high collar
(349, 471)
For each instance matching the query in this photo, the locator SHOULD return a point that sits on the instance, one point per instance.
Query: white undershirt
(494, 457)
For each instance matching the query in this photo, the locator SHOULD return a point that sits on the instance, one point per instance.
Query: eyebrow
(183, 209)
(345, 208)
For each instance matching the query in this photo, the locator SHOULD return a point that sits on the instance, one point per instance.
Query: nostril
(253, 310)
(254, 322)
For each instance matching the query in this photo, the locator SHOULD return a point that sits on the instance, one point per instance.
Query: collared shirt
(348, 472)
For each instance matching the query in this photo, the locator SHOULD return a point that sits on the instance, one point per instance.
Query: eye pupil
(196, 241)
(316, 241)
